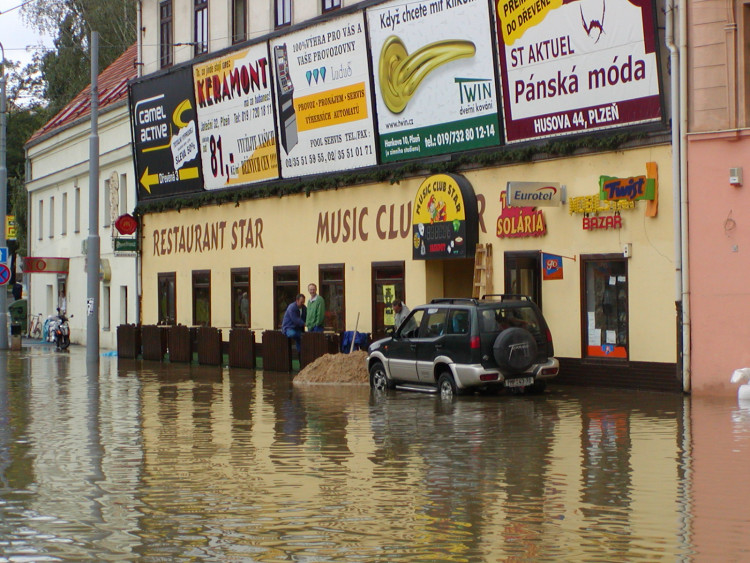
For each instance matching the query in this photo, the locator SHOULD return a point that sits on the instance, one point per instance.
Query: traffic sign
(3, 254)
(4, 274)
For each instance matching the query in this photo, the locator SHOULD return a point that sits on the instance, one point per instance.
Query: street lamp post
(3, 198)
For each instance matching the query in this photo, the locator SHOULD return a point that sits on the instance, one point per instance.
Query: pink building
(717, 149)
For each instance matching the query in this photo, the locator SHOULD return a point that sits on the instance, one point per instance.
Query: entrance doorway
(523, 274)
(387, 285)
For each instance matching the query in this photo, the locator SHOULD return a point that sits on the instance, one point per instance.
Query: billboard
(434, 79)
(569, 66)
(235, 118)
(165, 136)
(322, 91)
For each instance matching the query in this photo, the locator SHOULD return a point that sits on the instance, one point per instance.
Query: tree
(27, 112)
(66, 69)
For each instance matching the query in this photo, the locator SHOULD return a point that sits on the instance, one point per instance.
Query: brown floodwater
(141, 461)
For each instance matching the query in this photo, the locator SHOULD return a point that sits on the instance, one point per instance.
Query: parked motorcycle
(62, 331)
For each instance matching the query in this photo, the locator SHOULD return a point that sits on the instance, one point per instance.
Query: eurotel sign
(534, 194)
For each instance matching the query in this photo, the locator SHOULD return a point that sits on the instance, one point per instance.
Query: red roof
(113, 87)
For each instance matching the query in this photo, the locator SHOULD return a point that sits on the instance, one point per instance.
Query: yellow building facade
(357, 245)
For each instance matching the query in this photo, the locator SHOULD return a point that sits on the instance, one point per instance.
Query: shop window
(387, 285)
(241, 297)
(165, 33)
(283, 13)
(332, 290)
(200, 26)
(329, 5)
(202, 298)
(167, 298)
(605, 313)
(239, 20)
(285, 290)
(523, 275)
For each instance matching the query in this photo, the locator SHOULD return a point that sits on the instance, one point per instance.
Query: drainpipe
(686, 357)
(139, 34)
(679, 193)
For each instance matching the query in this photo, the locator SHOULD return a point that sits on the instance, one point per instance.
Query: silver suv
(460, 345)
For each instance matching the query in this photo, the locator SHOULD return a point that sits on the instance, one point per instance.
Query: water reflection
(144, 461)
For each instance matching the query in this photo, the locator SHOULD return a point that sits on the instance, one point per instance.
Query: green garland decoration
(392, 173)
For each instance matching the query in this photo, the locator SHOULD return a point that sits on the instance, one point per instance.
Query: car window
(410, 327)
(498, 319)
(434, 323)
(458, 322)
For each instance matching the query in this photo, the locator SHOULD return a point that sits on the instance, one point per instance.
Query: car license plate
(519, 382)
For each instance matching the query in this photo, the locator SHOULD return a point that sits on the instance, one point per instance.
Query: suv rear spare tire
(514, 350)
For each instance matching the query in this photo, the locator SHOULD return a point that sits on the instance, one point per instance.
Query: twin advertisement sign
(398, 80)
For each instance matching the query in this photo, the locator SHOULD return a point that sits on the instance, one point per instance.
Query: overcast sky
(18, 40)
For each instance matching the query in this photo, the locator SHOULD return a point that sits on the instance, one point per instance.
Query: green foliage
(66, 69)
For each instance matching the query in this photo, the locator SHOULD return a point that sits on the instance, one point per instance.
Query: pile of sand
(336, 368)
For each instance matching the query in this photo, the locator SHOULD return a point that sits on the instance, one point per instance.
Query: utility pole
(3, 199)
(92, 252)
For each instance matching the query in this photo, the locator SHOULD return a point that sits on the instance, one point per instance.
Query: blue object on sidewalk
(360, 340)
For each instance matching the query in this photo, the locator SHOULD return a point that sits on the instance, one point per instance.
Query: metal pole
(3, 201)
(92, 253)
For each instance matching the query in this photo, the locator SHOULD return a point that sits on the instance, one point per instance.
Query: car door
(402, 349)
(431, 342)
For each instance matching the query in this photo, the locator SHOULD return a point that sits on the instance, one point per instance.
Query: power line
(21, 5)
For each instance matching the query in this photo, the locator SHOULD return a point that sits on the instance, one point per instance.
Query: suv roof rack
(503, 296)
(455, 300)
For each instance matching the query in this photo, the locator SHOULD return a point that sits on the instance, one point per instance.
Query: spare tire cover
(514, 349)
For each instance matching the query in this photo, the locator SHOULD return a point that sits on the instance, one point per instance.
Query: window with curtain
(200, 34)
(283, 13)
(239, 20)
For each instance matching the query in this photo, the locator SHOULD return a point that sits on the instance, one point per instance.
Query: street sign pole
(92, 254)
(4, 344)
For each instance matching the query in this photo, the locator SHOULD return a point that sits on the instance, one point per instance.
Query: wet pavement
(142, 461)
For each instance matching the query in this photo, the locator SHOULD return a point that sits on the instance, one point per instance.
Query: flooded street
(143, 461)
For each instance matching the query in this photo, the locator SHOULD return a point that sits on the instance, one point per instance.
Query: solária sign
(534, 194)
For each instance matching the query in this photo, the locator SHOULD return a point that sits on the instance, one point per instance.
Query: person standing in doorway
(316, 310)
(293, 324)
(402, 311)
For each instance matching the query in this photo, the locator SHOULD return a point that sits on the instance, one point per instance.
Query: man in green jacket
(316, 310)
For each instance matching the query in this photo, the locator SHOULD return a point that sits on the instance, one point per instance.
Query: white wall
(59, 165)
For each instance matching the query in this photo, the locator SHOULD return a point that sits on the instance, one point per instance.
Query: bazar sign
(444, 224)
(535, 194)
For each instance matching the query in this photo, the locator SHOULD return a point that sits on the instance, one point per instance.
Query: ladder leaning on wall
(482, 271)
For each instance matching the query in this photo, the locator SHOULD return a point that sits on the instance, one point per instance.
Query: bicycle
(35, 326)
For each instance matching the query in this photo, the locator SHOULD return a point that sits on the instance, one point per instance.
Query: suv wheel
(514, 350)
(447, 386)
(378, 378)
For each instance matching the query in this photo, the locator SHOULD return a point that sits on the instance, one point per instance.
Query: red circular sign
(126, 224)
(4, 274)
